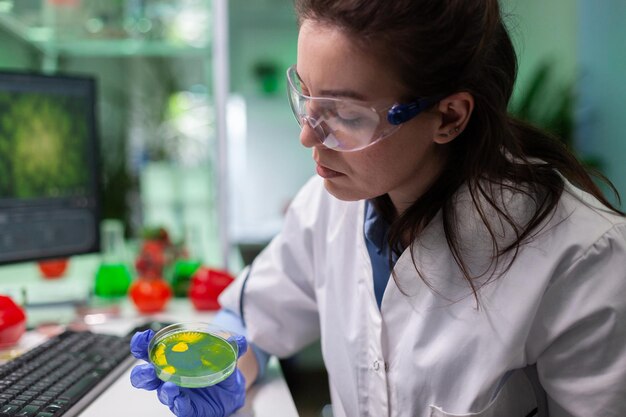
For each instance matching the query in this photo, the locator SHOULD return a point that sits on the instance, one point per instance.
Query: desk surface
(269, 397)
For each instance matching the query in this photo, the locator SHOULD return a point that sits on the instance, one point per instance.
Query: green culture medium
(192, 358)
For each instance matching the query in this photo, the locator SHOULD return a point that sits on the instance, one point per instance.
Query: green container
(181, 276)
(112, 280)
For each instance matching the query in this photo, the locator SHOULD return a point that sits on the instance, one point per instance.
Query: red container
(150, 295)
(206, 285)
(12, 322)
(53, 268)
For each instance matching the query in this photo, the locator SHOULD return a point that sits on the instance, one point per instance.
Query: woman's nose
(308, 136)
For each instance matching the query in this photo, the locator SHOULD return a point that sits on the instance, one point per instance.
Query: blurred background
(154, 62)
(195, 133)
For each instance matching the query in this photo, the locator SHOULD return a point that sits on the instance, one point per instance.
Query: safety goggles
(344, 124)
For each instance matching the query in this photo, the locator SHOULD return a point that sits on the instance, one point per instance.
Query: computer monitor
(50, 203)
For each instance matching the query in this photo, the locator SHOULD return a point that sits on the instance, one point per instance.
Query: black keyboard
(61, 376)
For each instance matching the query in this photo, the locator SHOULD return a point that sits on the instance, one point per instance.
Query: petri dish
(193, 355)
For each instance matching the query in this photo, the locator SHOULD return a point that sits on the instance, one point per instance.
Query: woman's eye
(352, 121)
(349, 118)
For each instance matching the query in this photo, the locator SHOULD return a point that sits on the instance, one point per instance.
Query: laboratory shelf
(65, 40)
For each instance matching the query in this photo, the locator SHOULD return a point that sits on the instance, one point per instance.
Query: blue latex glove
(219, 400)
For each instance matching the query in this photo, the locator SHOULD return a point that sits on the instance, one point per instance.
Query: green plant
(268, 75)
(549, 104)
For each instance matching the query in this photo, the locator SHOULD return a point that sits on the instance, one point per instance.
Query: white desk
(269, 397)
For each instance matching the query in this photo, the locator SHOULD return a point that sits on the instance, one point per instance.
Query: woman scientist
(453, 261)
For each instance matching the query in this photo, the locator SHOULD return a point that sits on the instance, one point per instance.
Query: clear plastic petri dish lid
(194, 354)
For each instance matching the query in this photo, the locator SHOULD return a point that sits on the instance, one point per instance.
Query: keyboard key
(23, 397)
(60, 402)
(82, 386)
(28, 411)
(9, 409)
(52, 409)
(45, 397)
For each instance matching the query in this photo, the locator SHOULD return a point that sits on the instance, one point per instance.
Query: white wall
(268, 165)
(266, 161)
(260, 31)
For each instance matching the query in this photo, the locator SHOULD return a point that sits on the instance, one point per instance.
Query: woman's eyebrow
(337, 93)
(344, 94)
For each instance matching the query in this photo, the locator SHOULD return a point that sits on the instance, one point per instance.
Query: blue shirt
(375, 229)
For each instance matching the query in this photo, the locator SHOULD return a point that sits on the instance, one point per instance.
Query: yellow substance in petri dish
(192, 354)
(180, 347)
(189, 337)
(158, 356)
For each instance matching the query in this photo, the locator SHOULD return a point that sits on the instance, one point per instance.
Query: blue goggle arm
(401, 113)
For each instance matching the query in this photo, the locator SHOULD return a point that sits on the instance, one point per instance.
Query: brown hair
(438, 47)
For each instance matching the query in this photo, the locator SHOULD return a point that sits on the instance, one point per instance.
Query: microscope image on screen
(49, 193)
(42, 146)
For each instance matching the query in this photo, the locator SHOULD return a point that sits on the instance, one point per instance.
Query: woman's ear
(455, 111)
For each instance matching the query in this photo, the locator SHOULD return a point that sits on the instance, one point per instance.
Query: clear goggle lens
(340, 124)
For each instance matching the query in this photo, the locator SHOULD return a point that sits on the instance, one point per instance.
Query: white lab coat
(430, 352)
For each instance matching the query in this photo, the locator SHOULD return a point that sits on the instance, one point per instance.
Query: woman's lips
(326, 172)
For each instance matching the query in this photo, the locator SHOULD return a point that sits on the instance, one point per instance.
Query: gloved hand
(219, 400)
